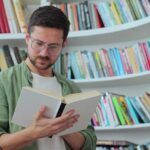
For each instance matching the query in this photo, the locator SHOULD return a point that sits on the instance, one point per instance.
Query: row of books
(104, 145)
(82, 15)
(11, 56)
(114, 109)
(12, 17)
(107, 144)
(105, 62)
(88, 14)
(114, 148)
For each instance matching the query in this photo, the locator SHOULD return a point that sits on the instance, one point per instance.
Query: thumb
(40, 113)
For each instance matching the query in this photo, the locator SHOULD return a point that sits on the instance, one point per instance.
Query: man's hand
(41, 127)
(44, 127)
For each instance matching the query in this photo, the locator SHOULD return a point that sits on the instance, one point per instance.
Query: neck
(47, 73)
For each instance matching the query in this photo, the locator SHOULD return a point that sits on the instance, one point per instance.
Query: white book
(31, 100)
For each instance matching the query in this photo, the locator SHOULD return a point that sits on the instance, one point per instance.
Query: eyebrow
(50, 44)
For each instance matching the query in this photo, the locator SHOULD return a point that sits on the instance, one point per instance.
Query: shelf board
(10, 36)
(138, 134)
(17, 39)
(126, 32)
(131, 79)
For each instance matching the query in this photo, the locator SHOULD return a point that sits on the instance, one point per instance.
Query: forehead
(46, 34)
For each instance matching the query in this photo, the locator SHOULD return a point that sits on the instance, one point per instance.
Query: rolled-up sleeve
(4, 125)
(90, 138)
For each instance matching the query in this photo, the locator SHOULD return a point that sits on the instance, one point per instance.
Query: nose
(44, 52)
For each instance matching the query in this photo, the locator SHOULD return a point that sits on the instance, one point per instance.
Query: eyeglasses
(51, 48)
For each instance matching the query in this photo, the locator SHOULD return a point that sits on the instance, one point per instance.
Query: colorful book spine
(131, 110)
(118, 110)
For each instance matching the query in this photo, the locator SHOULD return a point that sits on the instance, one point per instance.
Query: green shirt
(11, 83)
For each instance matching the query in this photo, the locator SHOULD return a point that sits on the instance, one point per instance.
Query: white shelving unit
(138, 134)
(134, 84)
(120, 33)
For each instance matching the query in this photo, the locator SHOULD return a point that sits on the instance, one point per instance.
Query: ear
(27, 37)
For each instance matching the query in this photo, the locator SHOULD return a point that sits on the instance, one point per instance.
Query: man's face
(44, 46)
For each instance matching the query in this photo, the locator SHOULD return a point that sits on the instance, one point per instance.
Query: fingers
(64, 122)
(65, 117)
(40, 113)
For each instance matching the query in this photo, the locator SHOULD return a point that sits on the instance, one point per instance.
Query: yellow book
(3, 63)
(115, 12)
(125, 111)
(146, 101)
(132, 59)
(20, 15)
(32, 99)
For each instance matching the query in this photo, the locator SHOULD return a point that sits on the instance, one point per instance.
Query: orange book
(62, 7)
(75, 16)
(132, 59)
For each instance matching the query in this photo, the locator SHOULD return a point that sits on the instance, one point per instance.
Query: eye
(53, 47)
(38, 43)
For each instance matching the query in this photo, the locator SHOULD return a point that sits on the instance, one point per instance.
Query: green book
(131, 9)
(135, 9)
(118, 110)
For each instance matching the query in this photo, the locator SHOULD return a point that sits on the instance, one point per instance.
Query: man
(47, 33)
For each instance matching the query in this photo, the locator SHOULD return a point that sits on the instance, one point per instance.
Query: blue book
(131, 110)
(122, 11)
(79, 17)
(109, 14)
(119, 61)
(86, 59)
(92, 65)
(113, 61)
(74, 66)
(103, 15)
(139, 110)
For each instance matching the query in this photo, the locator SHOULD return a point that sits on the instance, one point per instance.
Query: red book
(98, 17)
(3, 19)
(143, 53)
(108, 63)
(146, 52)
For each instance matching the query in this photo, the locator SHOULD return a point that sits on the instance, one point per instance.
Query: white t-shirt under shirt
(49, 84)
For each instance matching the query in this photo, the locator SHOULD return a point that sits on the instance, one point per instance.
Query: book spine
(61, 109)
(20, 15)
(118, 110)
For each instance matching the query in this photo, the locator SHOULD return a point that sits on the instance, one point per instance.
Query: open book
(31, 100)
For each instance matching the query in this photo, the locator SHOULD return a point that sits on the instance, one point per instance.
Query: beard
(35, 63)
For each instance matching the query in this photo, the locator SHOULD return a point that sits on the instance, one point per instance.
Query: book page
(80, 96)
(85, 108)
(29, 104)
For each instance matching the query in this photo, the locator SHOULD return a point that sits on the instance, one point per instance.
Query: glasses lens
(37, 45)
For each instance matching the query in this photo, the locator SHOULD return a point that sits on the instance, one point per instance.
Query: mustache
(43, 58)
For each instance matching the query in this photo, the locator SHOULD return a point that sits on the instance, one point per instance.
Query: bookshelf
(126, 32)
(133, 84)
(125, 133)
(96, 38)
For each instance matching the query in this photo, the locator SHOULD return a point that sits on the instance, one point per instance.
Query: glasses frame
(52, 49)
